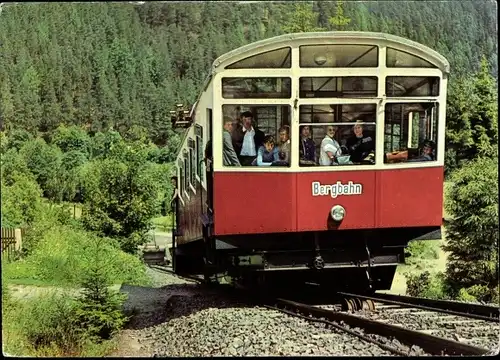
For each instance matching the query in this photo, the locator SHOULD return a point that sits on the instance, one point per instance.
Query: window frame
(289, 56)
(434, 130)
(186, 171)
(286, 97)
(341, 91)
(372, 46)
(180, 184)
(390, 48)
(192, 163)
(335, 113)
(198, 130)
(403, 96)
(276, 103)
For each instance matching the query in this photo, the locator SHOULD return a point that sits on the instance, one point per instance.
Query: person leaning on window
(246, 139)
(427, 152)
(267, 153)
(330, 148)
(229, 156)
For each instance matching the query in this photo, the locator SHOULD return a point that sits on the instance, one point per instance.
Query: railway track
(346, 322)
(474, 311)
(371, 326)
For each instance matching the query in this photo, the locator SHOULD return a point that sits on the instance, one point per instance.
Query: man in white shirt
(330, 148)
(247, 139)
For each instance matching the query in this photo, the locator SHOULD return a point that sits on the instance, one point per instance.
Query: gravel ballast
(180, 318)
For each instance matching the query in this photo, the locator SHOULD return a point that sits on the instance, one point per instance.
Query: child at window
(267, 153)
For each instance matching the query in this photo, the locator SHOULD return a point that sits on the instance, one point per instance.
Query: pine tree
(339, 21)
(302, 19)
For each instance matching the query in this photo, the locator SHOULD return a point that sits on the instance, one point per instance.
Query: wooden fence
(12, 241)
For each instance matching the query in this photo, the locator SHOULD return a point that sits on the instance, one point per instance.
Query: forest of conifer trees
(103, 65)
(86, 91)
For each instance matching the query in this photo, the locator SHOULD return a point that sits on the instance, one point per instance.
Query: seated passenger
(330, 148)
(229, 156)
(267, 153)
(307, 149)
(427, 152)
(359, 145)
(285, 142)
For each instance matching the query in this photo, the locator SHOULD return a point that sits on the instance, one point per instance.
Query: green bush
(99, 311)
(423, 249)
(42, 323)
(48, 325)
(63, 254)
(426, 285)
(472, 233)
(478, 293)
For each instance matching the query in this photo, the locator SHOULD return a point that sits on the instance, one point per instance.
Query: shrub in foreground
(426, 285)
(472, 233)
(63, 254)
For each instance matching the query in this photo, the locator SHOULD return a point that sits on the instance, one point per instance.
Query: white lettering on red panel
(336, 189)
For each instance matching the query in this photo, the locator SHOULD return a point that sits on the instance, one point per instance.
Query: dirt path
(128, 345)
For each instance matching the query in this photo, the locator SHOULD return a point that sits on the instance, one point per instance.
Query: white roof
(330, 37)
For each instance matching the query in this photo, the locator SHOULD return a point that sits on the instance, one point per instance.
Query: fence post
(19, 239)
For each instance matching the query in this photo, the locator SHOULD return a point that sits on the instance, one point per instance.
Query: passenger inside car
(427, 152)
(359, 145)
(267, 153)
(330, 148)
(307, 148)
(284, 147)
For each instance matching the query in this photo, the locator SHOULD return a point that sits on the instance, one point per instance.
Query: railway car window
(340, 134)
(338, 56)
(180, 165)
(280, 58)
(199, 150)
(252, 88)
(397, 86)
(192, 162)
(256, 135)
(193, 167)
(410, 132)
(186, 172)
(351, 86)
(402, 59)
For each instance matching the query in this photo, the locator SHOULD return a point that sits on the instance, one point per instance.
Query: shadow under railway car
(343, 222)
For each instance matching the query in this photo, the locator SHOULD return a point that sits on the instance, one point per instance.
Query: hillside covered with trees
(103, 65)
(85, 95)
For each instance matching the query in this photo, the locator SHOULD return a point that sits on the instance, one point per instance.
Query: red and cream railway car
(355, 171)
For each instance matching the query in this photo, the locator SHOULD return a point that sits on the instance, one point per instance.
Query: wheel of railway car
(347, 304)
(358, 304)
(370, 304)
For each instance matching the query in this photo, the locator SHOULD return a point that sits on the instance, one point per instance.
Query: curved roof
(330, 37)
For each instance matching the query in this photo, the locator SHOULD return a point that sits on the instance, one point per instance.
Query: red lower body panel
(257, 203)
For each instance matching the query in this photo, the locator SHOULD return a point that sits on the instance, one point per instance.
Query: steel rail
(342, 328)
(474, 311)
(429, 343)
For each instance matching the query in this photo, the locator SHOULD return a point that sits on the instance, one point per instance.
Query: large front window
(339, 134)
(256, 135)
(410, 132)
